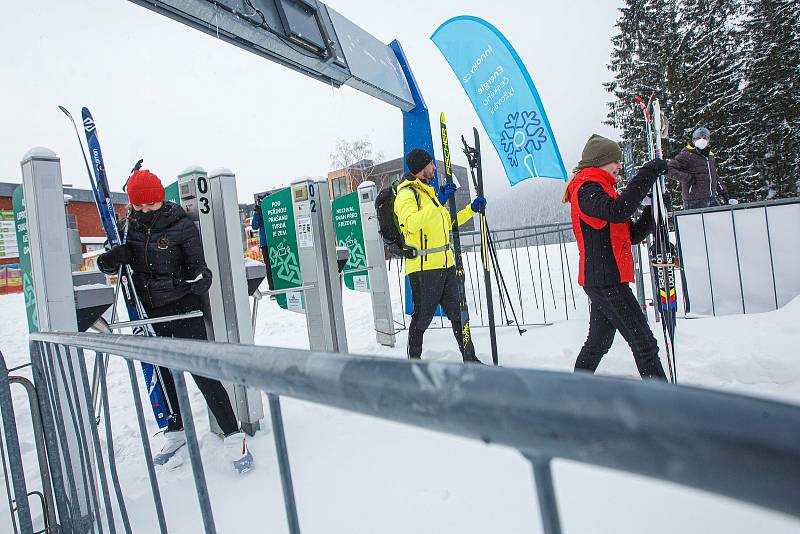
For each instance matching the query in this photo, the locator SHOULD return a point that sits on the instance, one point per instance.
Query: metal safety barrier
(524, 288)
(731, 445)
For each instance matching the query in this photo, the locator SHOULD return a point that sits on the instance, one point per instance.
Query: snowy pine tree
(707, 87)
(643, 63)
(771, 143)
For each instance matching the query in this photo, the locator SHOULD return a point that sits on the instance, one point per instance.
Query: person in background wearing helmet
(601, 221)
(164, 251)
(695, 167)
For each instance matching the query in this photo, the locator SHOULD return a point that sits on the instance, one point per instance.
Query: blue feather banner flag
(503, 95)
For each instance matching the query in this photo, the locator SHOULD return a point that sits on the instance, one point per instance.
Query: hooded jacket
(425, 224)
(602, 225)
(696, 170)
(167, 251)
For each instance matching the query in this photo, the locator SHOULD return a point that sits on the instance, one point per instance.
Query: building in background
(344, 181)
(81, 213)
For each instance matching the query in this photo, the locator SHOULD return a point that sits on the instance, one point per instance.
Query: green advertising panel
(172, 194)
(347, 221)
(282, 241)
(21, 223)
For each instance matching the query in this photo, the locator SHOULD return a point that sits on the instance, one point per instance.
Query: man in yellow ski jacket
(425, 222)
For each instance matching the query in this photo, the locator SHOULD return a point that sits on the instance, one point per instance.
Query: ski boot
(174, 440)
(237, 453)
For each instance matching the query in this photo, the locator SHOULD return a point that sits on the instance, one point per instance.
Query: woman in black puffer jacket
(165, 253)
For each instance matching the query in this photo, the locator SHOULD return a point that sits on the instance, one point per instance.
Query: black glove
(658, 166)
(202, 285)
(116, 256)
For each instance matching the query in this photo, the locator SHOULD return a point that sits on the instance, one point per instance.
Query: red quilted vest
(620, 232)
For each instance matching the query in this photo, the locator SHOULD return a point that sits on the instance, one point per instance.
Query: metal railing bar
(771, 259)
(148, 453)
(50, 437)
(515, 262)
(545, 495)
(282, 452)
(569, 275)
(734, 207)
(41, 448)
(738, 261)
(76, 513)
(541, 280)
(112, 460)
(530, 269)
(76, 415)
(563, 275)
(89, 421)
(14, 454)
(187, 417)
(154, 320)
(550, 277)
(543, 414)
(708, 264)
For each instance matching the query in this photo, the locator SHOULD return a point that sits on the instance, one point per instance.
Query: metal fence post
(14, 454)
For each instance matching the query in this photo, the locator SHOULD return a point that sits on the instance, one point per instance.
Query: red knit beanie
(144, 187)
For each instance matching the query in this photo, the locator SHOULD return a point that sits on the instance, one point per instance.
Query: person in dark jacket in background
(257, 223)
(695, 167)
(165, 253)
(601, 221)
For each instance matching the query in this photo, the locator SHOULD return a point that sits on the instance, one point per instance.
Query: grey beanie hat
(599, 151)
(701, 132)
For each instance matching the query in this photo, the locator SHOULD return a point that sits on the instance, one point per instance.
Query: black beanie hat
(599, 151)
(417, 160)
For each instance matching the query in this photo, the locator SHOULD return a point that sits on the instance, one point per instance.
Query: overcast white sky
(177, 97)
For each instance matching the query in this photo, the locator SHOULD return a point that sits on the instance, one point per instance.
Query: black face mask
(146, 218)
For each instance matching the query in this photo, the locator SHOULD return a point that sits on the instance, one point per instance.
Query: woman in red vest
(601, 221)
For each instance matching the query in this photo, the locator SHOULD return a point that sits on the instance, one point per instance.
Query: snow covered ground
(355, 474)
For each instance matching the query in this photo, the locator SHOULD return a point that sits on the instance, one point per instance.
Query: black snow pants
(429, 289)
(213, 391)
(616, 308)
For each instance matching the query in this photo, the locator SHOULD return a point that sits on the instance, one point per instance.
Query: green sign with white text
(281, 233)
(172, 194)
(21, 225)
(347, 222)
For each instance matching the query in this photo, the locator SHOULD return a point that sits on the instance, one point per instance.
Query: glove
(202, 285)
(658, 166)
(446, 192)
(478, 204)
(116, 256)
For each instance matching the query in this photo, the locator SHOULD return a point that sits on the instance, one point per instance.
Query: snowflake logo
(523, 132)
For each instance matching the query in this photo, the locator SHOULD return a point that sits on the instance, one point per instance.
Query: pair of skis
(662, 253)
(474, 158)
(108, 218)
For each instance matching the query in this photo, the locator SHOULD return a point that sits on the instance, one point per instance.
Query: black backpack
(389, 227)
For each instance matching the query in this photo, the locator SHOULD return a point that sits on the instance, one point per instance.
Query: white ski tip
(221, 171)
(39, 152)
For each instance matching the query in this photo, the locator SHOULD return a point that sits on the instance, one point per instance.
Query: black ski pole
(474, 158)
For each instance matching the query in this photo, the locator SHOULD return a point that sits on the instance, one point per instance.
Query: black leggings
(615, 308)
(429, 289)
(213, 391)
